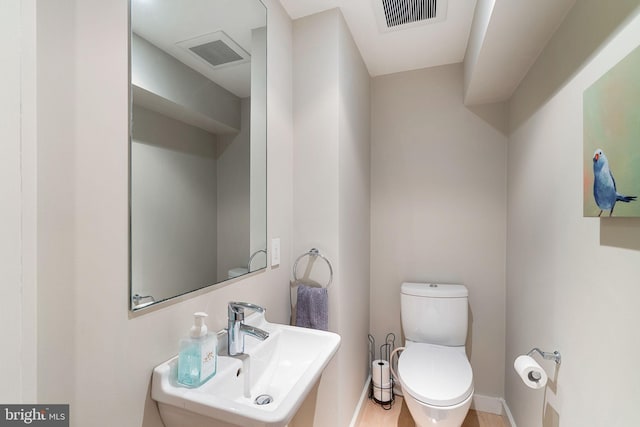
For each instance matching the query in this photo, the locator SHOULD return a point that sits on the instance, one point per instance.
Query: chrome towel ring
(313, 253)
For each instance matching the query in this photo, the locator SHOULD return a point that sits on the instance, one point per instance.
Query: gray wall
(438, 207)
(17, 191)
(354, 199)
(572, 282)
(331, 196)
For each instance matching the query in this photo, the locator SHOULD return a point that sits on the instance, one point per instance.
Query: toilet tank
(434, 313)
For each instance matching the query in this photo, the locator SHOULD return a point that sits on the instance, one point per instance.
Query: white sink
(284, 367)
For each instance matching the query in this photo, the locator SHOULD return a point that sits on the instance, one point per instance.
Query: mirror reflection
(197, 145)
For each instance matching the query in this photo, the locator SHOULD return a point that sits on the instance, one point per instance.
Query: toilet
(433, 370)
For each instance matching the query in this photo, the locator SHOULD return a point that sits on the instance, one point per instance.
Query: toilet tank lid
(434, 290)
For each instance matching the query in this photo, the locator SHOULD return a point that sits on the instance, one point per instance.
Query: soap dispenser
(198, 357)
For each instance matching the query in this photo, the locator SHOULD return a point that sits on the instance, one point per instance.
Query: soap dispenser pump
(197, 360)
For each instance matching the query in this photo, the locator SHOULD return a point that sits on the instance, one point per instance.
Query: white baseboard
(357, 413)
(507, 416)
(493, 405)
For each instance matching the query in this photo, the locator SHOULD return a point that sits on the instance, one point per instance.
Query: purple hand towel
(312, 308)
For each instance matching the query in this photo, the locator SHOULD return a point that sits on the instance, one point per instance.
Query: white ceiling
(504, 38)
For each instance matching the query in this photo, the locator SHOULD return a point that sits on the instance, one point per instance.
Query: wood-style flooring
(374, 415)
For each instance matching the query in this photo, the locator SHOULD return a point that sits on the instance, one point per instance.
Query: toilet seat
(435, 375)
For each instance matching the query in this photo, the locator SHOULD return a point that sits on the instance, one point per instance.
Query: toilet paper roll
(531, 373)
(380, 373)
(382, 393)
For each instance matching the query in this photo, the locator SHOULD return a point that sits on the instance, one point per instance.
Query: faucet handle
(235, 310)
(236, 314)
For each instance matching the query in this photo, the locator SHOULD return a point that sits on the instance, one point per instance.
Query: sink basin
(264, 387)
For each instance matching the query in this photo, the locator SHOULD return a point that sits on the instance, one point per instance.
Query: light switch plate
(275, 251)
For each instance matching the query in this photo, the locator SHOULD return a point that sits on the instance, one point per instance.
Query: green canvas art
(611, 177)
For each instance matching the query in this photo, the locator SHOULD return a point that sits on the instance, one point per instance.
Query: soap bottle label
(208, 359)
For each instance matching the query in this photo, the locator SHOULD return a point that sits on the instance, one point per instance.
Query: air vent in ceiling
(401, 14)
(216, 53)
(216, 49)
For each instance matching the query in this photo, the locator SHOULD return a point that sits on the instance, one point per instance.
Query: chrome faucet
(237, 329)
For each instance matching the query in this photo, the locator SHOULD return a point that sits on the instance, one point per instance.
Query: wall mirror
(197, 149)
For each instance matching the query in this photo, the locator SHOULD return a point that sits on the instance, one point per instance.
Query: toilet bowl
(433, 370)
(437, 383)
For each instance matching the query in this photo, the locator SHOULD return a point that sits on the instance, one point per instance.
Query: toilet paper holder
(382, 382)
(555, 356)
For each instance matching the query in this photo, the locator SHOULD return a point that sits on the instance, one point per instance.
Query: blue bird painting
(604, 185)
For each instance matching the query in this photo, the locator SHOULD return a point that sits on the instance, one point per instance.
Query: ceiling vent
(216, 49)
(401, 14)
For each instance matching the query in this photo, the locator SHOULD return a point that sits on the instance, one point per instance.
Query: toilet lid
(435, 375)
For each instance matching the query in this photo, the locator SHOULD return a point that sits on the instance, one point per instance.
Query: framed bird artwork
(611, 113)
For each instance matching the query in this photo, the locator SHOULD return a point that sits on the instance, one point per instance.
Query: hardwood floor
(398, 416)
